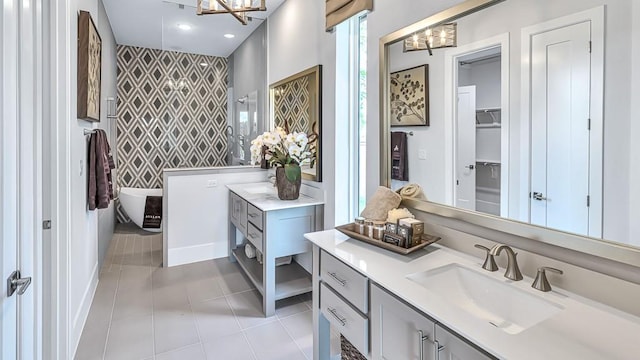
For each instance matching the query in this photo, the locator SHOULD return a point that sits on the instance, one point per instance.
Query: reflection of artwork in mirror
(410, 97)
(295, 103)
(532, 130)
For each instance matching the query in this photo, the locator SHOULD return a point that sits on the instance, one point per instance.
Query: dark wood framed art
(410, 96)
(89, 68)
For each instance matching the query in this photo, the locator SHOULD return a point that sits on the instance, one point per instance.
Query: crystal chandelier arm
(232, 12)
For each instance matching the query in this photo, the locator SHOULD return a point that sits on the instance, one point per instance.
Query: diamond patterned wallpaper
(292, 102)
(172, 112)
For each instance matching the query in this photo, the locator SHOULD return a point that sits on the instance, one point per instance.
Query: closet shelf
(488, 162)
(489, 126)
(484, 110)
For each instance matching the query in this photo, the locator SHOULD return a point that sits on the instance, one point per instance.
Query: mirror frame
(602, 248)
(316, 112)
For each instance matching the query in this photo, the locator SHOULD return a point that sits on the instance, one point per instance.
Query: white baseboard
(192, 254)
(82, 314)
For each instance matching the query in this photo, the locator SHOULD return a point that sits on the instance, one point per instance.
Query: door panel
(559, 133)
(465, 187)
(20, 106)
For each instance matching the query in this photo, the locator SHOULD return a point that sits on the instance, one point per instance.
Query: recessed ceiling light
(229, 36)
(184, 27)
(204, 64)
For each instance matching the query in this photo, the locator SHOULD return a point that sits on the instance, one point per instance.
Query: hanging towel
(100, 165)
(399, 157)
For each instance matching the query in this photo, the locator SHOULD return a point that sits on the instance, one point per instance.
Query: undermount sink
(506, 307)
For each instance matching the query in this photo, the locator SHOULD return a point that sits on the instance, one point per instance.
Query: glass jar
(378, 229)
(359, 228)
(368, 227)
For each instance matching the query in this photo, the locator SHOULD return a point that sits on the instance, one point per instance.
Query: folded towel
(397, 214)
(412, 191)
(379, 205)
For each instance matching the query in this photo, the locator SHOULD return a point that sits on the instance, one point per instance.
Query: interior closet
(483, 72)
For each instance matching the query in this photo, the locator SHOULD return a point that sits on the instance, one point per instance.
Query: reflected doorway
(478, 132)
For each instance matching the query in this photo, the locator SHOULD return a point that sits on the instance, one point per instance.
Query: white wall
(197, 216)
(634, 133)
(297, 41)
(84, 239)
(485, 75)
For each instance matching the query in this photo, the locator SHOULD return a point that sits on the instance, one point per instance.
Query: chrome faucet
(513, 271)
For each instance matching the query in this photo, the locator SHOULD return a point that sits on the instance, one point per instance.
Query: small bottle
(359, 228)
(378, 229)
(368, 226)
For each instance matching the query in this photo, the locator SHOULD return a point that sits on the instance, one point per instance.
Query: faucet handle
(541, 283)
(489, 261)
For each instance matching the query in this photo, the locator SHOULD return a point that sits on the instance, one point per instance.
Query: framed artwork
(410, 97)
(89, 68)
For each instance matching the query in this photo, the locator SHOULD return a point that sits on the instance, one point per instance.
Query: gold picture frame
(89, 68)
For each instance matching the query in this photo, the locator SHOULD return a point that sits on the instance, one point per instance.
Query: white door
(465, 154)
(454, 348)
(561, 62)
(18, 176)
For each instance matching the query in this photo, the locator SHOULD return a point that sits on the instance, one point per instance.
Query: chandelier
(237, 8)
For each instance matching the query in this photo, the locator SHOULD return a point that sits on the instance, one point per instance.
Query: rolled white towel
(250, 251)
(412, 191)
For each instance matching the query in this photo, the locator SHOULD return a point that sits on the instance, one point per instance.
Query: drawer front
(254, 235)
(346, 281)
(254, 215)
(345, 319)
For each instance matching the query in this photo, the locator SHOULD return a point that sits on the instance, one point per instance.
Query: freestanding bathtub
(133, 201)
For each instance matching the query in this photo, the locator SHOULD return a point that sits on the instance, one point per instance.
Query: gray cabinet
(275, 233)
(398, 332)
(454, 348)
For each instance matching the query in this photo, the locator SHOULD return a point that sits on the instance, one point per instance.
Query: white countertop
(584, 329)
(264, 196)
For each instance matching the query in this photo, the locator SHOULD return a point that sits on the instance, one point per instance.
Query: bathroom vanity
(439, 303)
(276, 229)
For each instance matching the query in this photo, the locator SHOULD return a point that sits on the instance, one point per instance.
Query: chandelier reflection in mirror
(237, 8)
(176, 86)
(441, 36)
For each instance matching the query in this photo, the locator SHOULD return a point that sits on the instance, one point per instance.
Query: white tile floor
(207, 310)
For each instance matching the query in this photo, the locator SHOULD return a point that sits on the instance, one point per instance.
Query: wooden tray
(348, 229)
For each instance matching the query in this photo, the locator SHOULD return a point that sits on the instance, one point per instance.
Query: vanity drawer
(254, 215)
(238, 212)
(346, 281)
(255, 236)
(345, 319)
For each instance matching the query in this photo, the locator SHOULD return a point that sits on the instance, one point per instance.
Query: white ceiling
(154, 24)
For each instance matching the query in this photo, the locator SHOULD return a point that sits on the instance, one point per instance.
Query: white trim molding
(451, 58)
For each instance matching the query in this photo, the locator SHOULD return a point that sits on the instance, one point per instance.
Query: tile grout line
(288, 333)
(113, 306)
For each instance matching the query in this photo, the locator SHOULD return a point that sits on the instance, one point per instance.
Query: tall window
(351, 104)
(361, 37)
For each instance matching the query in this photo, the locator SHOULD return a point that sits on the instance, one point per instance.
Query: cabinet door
(454, 348)
(397, 331)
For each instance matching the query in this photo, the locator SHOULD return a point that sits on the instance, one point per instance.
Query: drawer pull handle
(252, 215)
(437, 348)
(333, 312)
(336, 278)
(252, 235)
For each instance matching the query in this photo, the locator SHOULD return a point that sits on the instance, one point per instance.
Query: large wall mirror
(296, 104)
(530, 114)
